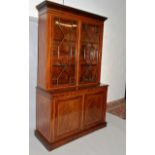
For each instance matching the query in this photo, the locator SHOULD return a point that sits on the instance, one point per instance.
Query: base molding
(50, 146)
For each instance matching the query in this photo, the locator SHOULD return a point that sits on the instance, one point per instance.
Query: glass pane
(89, 53)
(64, 52)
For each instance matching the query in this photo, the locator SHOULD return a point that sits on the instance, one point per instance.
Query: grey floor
(107, 141)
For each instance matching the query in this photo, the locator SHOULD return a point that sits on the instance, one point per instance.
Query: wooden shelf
(65, 41)
(88, 64)
(63, 65)
(89, 42)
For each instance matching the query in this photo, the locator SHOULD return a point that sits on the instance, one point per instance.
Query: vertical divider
(49, 49)
(78, 53)
(100, 51)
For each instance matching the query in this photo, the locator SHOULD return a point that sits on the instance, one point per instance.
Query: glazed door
(90, 53)
(64, 51)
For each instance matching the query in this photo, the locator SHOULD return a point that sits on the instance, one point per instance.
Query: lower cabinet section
(68, 116)
(94, 109)
(64, 116)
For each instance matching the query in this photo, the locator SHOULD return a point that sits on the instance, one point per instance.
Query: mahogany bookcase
(70, 101)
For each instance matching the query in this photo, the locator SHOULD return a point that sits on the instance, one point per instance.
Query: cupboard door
(89, 53)
(68, 113)
(64, 48)
(94, 109)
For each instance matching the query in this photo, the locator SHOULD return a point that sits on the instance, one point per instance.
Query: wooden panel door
(94, 109)
(64, 52)
(68, 115)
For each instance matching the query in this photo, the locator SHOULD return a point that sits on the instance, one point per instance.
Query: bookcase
(70, 101)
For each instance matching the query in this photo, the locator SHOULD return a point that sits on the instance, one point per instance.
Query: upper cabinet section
(70, 46)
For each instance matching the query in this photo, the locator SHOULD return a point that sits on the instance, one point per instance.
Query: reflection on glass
(64, 50)
(89, 53)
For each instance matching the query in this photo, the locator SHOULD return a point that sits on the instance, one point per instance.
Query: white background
(14, 84)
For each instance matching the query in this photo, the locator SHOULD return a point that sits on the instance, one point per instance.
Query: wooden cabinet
(71, 102)
(94, 109)
(68, 115)
(65, 115)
